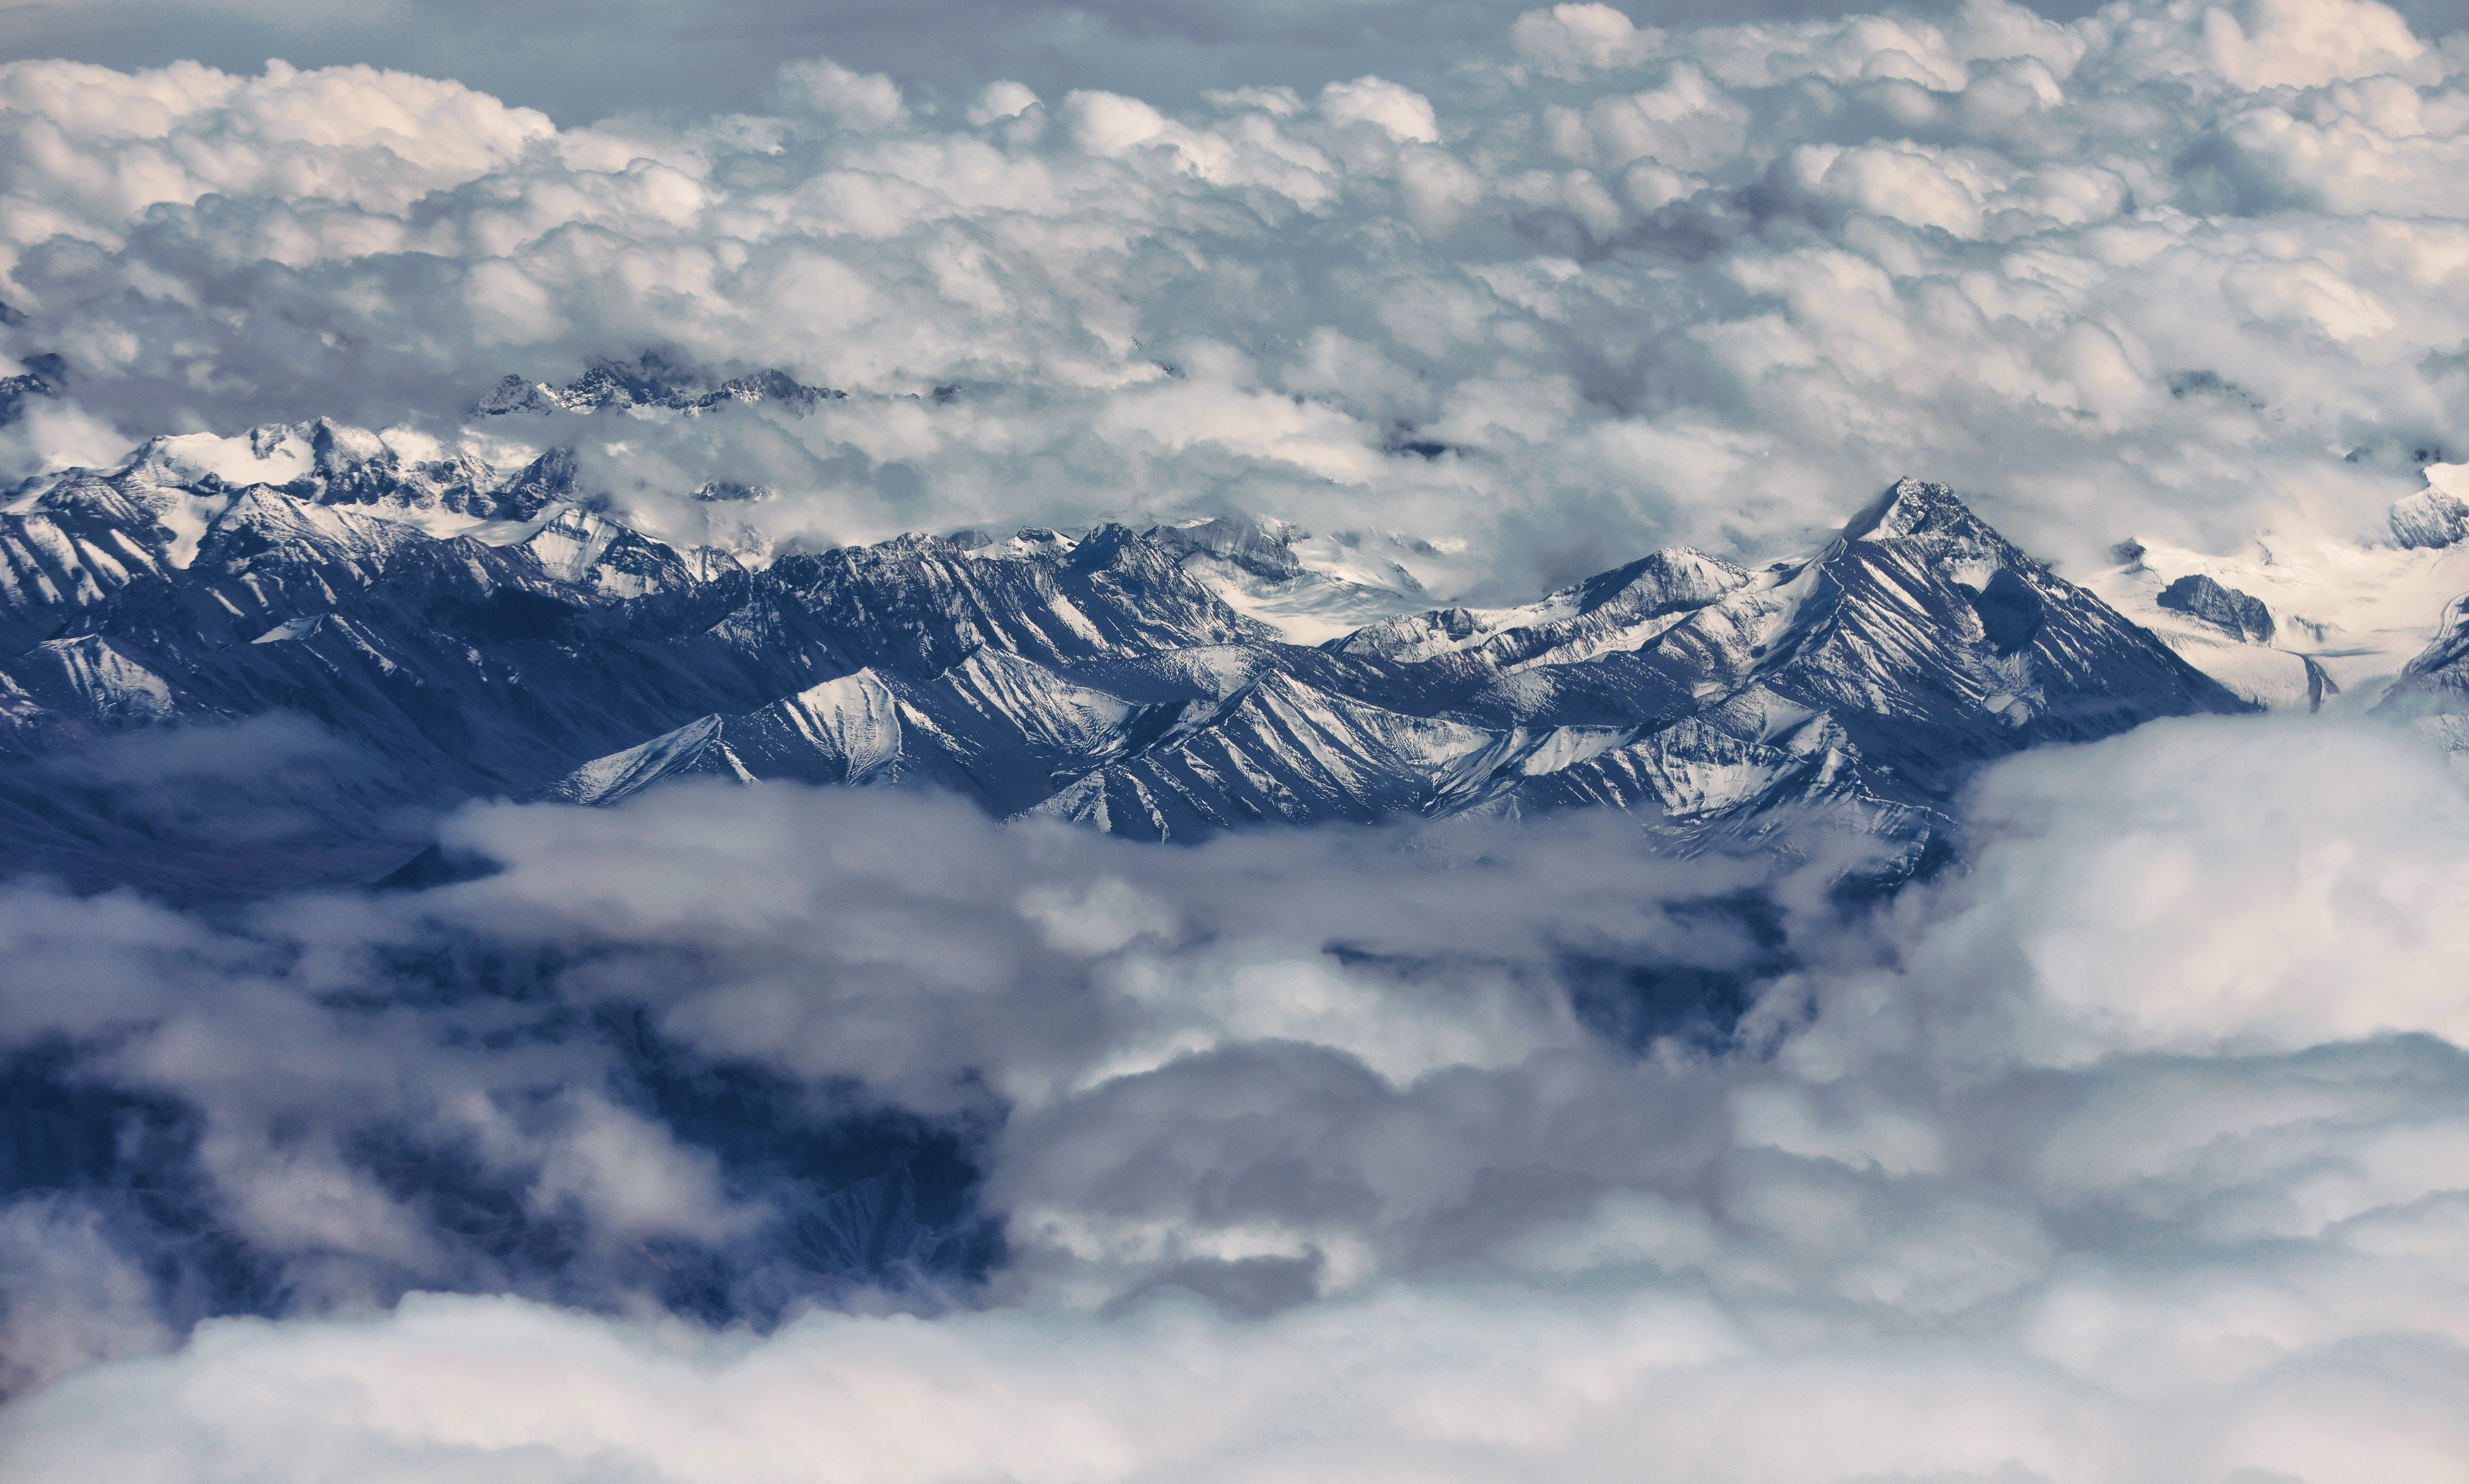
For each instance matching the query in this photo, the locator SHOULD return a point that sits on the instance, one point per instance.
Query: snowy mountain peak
(1109, 679)
(652, 381)
(1911, 507)
(2437, 514)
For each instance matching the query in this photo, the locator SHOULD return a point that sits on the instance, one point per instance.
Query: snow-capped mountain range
(468, 630)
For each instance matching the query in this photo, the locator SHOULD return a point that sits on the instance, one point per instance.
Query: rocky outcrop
(2234, 613)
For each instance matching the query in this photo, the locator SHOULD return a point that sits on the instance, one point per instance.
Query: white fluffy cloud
(2017, 1182)
(2116, 885)
(2173, 271)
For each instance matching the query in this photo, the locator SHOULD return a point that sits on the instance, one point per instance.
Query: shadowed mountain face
(209, 689)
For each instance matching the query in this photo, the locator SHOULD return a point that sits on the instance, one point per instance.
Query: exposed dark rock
(43, 377)
(2226, 609)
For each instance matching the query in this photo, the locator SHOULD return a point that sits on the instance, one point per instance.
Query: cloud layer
(2134, 1153)
(2174, 271)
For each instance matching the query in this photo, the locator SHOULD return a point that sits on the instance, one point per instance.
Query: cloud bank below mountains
(2173, 271)
(2134, 1153)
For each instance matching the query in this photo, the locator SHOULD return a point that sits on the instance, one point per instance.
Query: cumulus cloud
(2011, 1180)
(2169, 270)
(571, 1080)
(2119, 880)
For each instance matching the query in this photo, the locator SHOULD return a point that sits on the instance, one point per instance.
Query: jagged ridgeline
(327, 668)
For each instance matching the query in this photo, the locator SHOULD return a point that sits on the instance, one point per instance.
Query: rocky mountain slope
(314, 668)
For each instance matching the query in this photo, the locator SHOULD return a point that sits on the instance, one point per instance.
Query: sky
(580, 62)
(2137, 1150)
